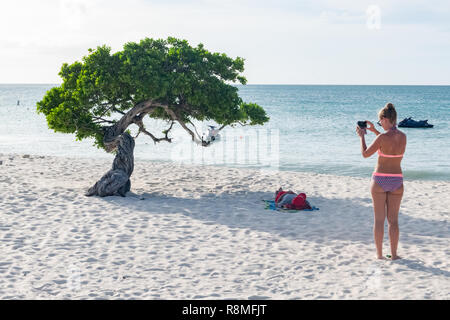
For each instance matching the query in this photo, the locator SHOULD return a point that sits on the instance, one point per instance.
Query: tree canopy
(163, 79)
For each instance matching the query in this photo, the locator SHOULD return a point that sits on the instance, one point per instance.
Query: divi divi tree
(105, 93)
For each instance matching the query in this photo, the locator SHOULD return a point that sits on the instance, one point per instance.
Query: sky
(283, 42)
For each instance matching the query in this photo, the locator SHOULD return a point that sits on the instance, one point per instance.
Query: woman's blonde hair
(388, 112)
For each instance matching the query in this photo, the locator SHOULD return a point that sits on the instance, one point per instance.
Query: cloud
(285, 41)
(73, 13)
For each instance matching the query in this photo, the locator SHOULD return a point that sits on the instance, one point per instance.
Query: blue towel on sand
(270, 204)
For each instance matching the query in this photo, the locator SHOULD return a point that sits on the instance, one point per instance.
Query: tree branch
(136, 113)
(101, 120)
(112, 106)
(117, 110)
(175, 117)
(141, 126)
(195, 128)
(170, 128)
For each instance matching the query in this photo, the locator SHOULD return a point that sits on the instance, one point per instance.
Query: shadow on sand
(338, 219)
(419, 266)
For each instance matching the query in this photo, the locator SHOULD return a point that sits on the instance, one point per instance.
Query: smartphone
(362, 124)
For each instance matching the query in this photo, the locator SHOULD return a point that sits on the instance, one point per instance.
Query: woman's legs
(379, 208)
(394, 198)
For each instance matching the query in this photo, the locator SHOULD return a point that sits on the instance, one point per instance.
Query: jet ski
(410, 123)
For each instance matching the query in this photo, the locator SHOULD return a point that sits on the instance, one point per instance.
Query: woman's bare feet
(381, 258)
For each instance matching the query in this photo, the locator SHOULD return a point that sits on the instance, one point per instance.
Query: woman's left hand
(360, 132)
(370, 126)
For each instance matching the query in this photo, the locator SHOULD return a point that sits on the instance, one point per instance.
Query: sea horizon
(300, 120)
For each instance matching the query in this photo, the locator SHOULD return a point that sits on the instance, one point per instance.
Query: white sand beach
(201, 232)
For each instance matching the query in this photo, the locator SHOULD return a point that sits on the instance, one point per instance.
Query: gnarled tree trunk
(117, 180)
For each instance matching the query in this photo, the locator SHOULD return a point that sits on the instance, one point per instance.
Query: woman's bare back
(393, 142)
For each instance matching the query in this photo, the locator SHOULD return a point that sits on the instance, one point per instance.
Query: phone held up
(363, 125)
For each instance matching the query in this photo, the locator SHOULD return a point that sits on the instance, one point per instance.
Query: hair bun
(389, 112)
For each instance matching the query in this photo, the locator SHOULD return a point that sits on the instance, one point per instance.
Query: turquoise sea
(311, 129)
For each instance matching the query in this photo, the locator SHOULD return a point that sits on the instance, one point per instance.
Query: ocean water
(311, 129)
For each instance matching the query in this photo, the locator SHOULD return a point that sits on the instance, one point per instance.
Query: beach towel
(270, 205)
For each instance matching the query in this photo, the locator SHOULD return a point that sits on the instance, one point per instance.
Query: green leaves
(254, 113)
(192, 81)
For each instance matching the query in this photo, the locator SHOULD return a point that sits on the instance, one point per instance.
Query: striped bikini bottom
(388, 181)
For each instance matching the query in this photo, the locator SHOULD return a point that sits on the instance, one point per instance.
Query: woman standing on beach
(387, 179)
